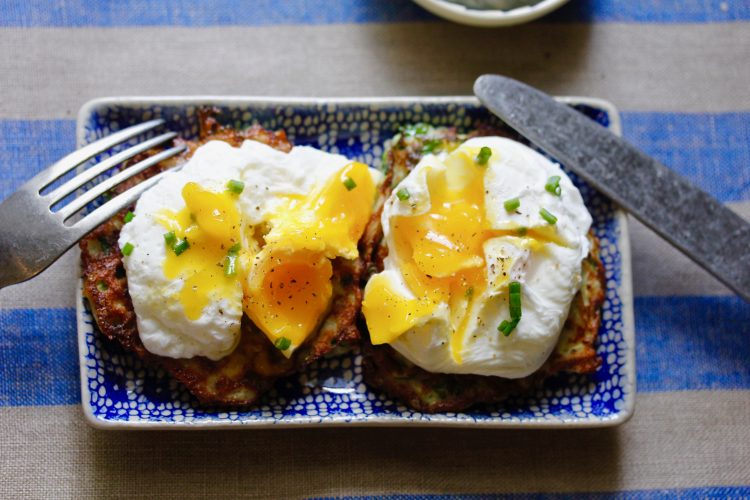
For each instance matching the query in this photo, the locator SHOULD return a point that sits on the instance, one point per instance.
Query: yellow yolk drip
(388, 312)
(210, 222)
(288, 293)
(440, 255)
(331, 219)
(289, 287)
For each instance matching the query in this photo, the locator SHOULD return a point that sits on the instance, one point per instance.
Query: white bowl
(490, 18)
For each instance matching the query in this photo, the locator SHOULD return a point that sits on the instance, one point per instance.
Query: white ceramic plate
(119, 391)
(490, 18)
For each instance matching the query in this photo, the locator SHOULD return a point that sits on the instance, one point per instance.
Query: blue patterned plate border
(118, 391)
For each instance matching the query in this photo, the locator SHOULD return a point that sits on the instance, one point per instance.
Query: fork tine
(108, 210)
(90, 173)
(74, 206)
(66, 164)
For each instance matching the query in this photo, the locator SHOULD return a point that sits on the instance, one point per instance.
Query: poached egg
(462, 229)
(247, 229)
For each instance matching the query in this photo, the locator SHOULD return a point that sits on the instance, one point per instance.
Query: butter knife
(687, 217)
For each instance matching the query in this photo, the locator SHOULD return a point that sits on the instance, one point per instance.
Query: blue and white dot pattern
(119, 390)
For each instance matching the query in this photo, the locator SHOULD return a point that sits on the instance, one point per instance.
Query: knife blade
(687, 217)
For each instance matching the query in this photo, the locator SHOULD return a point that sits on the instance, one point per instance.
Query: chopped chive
(180, 246)
(349, 184)
(102, 286)
(230, 261)
(403, 194)
(230, 265)
(235, 186)
(469, 292)
(415, 129)
(431, 145)
(170, 239)
(553, 185)
(512, 204)
(514, 304)
(484, 156)
(521, 231)
(127, 248)
(421, 129)
(547, 216)
(514, 324)
(282, 343)
(515, 312)
(515, 301)
(129, 216)
(507, 327)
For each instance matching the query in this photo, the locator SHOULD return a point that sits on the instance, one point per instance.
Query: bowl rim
(625, 289)
(490, 18)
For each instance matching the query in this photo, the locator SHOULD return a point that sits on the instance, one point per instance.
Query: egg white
(550, 273)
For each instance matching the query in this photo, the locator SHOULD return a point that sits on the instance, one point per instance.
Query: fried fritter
(240, 378)
(428, 392)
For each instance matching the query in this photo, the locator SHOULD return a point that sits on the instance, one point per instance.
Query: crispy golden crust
(576, 349)
(424, 391)
(240, 378)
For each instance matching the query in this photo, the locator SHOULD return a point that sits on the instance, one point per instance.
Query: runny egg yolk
(210, 222)
(289, 286)
(331, 219)
(440, 255)
(388, 312)
(288, 293)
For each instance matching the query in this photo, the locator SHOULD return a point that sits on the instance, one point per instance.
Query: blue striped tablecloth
(678, 69)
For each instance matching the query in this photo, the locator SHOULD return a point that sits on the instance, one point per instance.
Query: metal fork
(33, 236)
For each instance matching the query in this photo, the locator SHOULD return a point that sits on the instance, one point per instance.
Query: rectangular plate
(119, 391)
